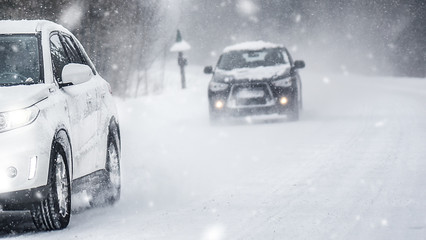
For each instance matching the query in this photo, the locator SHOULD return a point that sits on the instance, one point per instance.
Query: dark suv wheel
(214, 116)
(293, 111)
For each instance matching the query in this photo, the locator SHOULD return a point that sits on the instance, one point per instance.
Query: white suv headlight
(286, 82)
(18, 118)
(217, 86)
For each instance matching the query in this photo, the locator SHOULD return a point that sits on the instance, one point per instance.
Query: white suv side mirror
(75, 73)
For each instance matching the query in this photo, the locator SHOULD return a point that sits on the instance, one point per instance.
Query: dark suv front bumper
(270, 104)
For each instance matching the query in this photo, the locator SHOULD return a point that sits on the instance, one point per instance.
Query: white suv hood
(22, 96)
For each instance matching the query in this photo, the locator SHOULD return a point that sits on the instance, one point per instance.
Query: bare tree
(118, 35)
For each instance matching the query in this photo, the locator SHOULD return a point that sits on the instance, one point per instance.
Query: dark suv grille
(250, 95)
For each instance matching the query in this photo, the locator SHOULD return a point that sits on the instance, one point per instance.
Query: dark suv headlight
(283, 82)
(217, 86)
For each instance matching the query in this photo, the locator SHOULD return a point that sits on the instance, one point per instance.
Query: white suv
(59, 131)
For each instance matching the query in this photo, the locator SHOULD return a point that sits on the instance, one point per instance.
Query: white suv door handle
(103, 93)
(89, 98)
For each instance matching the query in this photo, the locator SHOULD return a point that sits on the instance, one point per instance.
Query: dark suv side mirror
(208, 70)
(299, 64)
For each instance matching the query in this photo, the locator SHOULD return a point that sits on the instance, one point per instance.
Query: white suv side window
(59, 57)
(72, 51)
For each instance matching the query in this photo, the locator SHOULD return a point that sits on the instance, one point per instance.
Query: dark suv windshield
(19, 60)
(251, 59)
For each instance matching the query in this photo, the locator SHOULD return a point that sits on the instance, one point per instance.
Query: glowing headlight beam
(219, 104)
(283, 100)
(18, 118)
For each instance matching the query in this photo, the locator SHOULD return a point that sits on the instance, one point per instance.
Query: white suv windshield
(19, 60)
(252, 59)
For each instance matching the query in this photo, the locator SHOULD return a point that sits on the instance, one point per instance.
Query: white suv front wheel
(53, 212)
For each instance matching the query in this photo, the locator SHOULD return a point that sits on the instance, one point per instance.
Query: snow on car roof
(27, 26)
(254, 45)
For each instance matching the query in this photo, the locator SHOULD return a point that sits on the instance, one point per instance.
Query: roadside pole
(181, 46)
(182, 63)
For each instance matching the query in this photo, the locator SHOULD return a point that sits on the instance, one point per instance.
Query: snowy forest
(128, 39)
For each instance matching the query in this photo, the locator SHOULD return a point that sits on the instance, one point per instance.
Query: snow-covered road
(353, 167)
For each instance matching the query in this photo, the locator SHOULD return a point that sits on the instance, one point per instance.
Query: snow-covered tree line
(358, 36)
(120, 36)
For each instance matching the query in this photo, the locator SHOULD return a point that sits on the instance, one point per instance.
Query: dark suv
(255, 78)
